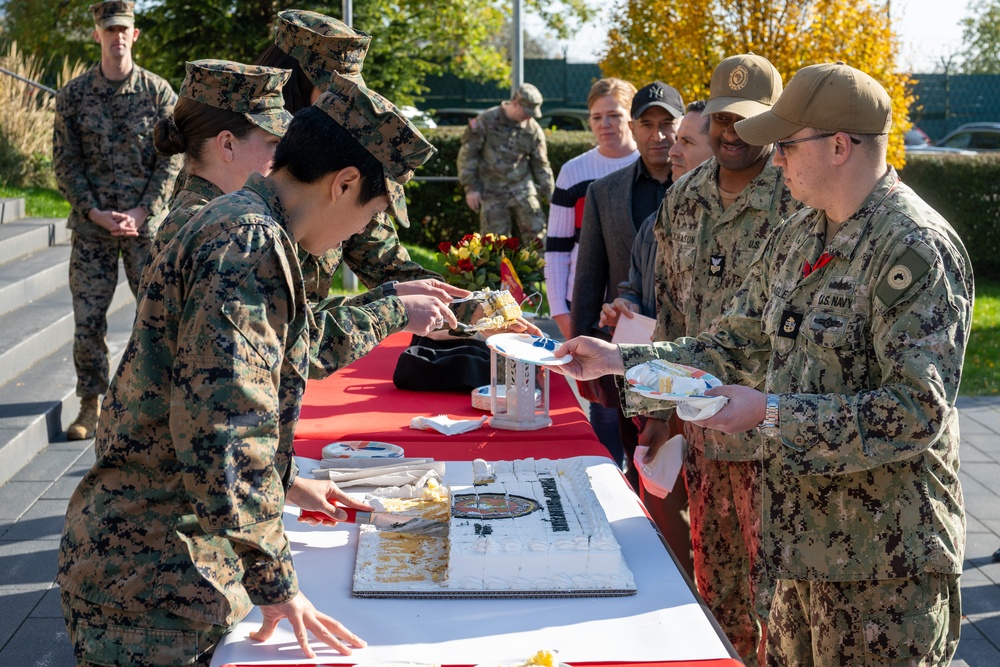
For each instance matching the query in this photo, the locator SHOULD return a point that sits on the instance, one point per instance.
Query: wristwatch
(770, 428)
(389, 288)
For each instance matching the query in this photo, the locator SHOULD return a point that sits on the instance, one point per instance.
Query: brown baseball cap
(530, 99)
(743, 85)
(832, 96)
(322, 45)
(379, 126)
(250, 90)
(113, 12)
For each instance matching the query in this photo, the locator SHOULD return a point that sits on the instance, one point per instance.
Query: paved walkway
(32, 505)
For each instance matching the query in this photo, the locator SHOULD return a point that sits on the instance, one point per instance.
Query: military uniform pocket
(914, 639)
(124, 645)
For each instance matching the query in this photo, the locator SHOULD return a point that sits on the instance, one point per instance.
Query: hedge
(437, 209)
(964, 189)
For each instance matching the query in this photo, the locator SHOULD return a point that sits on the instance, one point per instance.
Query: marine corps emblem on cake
(492, 506)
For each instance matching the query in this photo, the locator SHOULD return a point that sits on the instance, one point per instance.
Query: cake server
(396, 523)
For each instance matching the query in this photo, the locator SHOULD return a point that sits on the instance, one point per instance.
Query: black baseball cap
(658, 94)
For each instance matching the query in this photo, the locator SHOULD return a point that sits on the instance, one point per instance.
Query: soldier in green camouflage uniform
(116, 184)
(216, 97)
(504, 166)
(706, 247)
(177, 528)
(315, 46)
(853, 319)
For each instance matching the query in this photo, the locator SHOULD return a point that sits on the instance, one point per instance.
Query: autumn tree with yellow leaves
(681, 41)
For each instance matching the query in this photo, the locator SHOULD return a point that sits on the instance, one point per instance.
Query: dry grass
(26, 120)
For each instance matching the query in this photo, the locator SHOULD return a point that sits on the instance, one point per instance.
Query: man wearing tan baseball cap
(868, 310)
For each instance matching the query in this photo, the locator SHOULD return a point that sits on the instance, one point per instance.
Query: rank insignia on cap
(909, 268)
(717, 264)
(790, 323)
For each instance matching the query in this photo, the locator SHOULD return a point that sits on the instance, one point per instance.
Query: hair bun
(167, 138)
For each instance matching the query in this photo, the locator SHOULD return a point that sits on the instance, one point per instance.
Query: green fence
(562, 84)
(945, 101)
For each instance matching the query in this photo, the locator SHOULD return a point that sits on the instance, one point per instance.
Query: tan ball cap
(383, 130)
(833, 97)
(743, 85)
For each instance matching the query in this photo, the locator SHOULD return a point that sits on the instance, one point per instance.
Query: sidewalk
(32, 505)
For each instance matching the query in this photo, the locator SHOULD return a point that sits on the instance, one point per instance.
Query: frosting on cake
(532, 525)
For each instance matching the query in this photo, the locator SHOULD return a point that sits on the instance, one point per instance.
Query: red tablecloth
(360, 402)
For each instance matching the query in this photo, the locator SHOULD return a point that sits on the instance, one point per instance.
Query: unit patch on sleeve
(908, 269)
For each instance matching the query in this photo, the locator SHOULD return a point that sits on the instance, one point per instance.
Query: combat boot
(85, 424)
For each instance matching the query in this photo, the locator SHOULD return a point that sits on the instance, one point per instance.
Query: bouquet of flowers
(495, 262)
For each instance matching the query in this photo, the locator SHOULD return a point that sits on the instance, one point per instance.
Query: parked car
(454, 116)
(565, 119)
(916, 142)
(976, 137)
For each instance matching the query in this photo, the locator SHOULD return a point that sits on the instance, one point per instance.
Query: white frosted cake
(532, 525)
(521, 528)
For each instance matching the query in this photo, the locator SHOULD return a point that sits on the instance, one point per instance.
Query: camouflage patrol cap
(833, 97)
(113, 12)
(250, 90)
(383, 130)
(530, 99)
(322, 45)
(743, 85)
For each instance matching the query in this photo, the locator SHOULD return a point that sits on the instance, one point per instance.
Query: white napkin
(693, 409)
(447, 425)
(658, 476)
(637, 330)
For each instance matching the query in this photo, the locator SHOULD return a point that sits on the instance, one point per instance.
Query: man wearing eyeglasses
(845, 348)
(711, 225)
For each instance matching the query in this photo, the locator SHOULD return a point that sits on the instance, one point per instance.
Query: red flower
(466, 265)
(512, 243)
(468, 237)
(445, 247)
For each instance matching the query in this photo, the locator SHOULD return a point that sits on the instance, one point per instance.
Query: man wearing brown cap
(504, 166)
(176, 531)
(116, 184)
(847, 340)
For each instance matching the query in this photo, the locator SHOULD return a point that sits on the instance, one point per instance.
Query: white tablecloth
(662, 622)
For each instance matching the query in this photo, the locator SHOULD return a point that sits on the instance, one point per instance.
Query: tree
(411, 38)
(981, 35)
(681, 41)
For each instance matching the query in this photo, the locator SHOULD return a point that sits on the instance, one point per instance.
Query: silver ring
(438, 323)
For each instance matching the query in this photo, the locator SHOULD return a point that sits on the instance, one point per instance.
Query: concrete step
(38, 405)
(29, 235)
(30, 277)
(11, 209)
(37, 329)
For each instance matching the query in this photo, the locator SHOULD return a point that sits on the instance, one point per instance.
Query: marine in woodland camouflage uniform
(504, 159)
(323, 45)
(251, 91)
(705, 252)
(177, 528)
(105, 162)
(858, 338)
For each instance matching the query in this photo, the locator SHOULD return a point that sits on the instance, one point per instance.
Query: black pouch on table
(459, 364)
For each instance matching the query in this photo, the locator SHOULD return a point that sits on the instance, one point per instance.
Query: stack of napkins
(447, 425)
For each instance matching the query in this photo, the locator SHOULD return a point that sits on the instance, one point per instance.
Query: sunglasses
(782, 145)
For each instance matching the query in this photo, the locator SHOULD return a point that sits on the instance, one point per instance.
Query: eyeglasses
(782, 145)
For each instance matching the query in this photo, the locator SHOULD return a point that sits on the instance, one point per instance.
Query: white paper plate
(632, 374)
(528, 348)
(361, 449)
(481, 397)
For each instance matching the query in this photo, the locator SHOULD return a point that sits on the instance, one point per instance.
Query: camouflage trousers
(93, 277)
(107, 636)
(725, 511)
(913, 622)
(499, 212)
